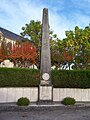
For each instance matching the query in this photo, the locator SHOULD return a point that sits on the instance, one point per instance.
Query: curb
(34, 107)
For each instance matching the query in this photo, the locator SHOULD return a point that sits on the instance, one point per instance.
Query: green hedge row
(16, 77)
(19, 77)
(71, 78)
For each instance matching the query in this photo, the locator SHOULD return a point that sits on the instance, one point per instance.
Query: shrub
(19, 77)
(23, 101)
(26, 77)
(71, 78)
(68, 101)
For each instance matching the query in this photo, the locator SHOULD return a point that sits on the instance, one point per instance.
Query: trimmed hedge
(71, 78)
(22, 77)
(19, 77)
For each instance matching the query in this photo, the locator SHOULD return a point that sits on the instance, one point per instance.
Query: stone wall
(12, 94)
(78, 94)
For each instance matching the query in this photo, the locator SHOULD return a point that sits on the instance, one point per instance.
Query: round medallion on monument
(45, 76)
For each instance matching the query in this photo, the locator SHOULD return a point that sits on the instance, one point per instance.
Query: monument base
(45, 102)
(45, 83)
(45, 94)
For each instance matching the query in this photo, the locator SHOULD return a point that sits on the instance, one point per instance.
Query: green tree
(75, 48)
(57, 53)
(33, 32)
(77, 45)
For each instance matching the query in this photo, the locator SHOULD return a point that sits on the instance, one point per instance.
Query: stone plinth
(45, 94)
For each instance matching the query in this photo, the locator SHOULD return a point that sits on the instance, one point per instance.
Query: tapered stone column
(45, 87)
(45, 63)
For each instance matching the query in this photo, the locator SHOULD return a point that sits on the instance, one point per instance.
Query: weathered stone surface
(45, 93)
(45, 66)
(45, 88)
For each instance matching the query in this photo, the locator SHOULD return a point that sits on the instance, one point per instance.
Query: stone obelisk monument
(45, 87)
(45, 67)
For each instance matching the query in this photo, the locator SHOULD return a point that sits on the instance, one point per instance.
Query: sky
(63, 14)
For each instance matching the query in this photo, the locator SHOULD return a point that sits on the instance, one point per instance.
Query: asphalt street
(82, 113)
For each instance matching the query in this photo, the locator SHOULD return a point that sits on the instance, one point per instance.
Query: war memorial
(45, 87)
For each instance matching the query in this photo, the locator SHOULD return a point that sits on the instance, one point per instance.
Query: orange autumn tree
(67, 57)
(3, 51)
(23, 54)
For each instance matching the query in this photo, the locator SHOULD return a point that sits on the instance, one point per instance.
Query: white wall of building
(7, 63)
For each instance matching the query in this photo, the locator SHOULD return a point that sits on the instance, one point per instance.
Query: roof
(10, 35)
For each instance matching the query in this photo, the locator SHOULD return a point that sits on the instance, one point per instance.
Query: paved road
(60, 114)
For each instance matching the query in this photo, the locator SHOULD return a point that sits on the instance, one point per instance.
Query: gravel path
(82, 113)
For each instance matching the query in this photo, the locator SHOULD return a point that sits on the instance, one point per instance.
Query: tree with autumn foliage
(3, 51)
(23, 54)
(60, 56)
(77, 47)
(32, 31)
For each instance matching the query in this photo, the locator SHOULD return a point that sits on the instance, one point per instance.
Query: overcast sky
(63, 14)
